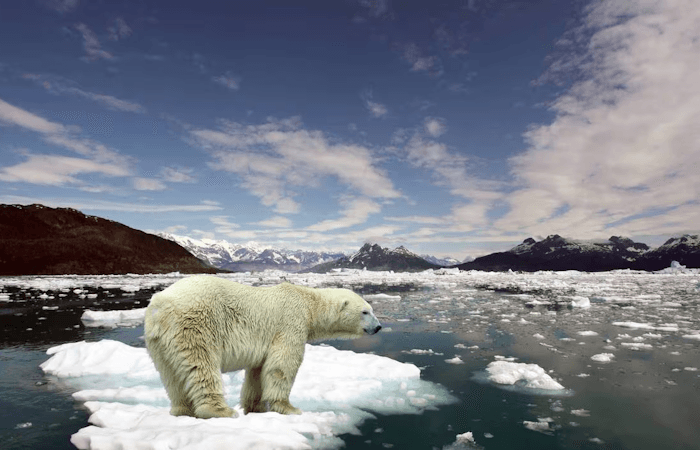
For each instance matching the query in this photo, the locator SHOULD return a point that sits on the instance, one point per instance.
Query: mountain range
(375, 257)
(35, 240)
(38, 240)
(251, 256)
(558, 253)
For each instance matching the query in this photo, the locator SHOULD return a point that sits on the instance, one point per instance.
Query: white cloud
(274, 157)
(227, 80)
(276, 222)
(59, 85)
(173, 175)
(93, 205)
(148, 184)
(91, 44)
(417, 219)
(625, 142)
(376, 109)
(434, 126)
(223, 225)
(38, 169)
(56, 170)
(119, 30)
(175, 229)
(13, 115)
(356, 211)
(110, 101)
(419, 62)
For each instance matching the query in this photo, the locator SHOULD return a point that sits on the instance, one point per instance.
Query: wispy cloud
(276, 222)
(60, 86)
(355, 212)
(119, 29)
(13, 115)
(229, 81)
(148, 184)
(274, 158)
(624, 146)
(58, 169)
(174, 175)
(375, 109)
(100, 205)
(419, 59)
(450, 169)
(91, 44)
(435, 127)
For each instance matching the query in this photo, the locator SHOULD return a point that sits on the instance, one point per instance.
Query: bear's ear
(345, 304)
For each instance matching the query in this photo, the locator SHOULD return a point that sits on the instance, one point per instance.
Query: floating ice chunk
(23, 425)
(580, 302)
(113, 319)
(645, 326)
(587, 333)
(690, 369)
(530, 376)
(580, 412)
(464, 441)
(460, 346)
(382, 297)
(692, 336)
(542, 425)
(465, 437)
(418, 351)
(603, 357)
(538, 336)
(337, 390)
(670, 327)
(636, 345)
(455, 360)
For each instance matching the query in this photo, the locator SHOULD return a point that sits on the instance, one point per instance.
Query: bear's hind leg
(251, 393)
(172, 381)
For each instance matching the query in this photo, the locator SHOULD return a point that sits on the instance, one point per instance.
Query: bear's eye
(365, 312)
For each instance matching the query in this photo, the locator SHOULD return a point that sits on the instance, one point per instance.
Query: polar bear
(204, 325)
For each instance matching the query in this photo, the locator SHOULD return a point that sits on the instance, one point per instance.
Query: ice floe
(336, 389)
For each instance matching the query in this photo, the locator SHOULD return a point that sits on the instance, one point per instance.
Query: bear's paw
(207, 412)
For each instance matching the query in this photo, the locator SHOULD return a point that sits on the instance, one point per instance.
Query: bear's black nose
(379, 327)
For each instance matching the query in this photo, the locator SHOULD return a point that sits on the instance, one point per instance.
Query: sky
(454, 128)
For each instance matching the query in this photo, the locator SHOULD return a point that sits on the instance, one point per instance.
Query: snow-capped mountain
(447, 261)
(684, 249)
(374, 257)
(558, 253)
(250, 256)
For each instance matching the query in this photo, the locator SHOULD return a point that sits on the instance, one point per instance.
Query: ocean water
(646, 397)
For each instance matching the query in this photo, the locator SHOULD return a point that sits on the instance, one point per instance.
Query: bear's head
(354, 317)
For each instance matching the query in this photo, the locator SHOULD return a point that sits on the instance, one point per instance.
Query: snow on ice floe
(603, 357)
(521, 377)
(336, 389)
(113, 319)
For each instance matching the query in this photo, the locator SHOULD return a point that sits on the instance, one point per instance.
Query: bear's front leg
(278, 374)
(251, 392)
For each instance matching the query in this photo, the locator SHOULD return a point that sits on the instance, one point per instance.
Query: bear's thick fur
(204, 325)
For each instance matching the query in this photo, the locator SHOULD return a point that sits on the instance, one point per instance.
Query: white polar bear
(204, 325)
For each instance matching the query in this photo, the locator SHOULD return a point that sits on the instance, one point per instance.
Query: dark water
(631, 404)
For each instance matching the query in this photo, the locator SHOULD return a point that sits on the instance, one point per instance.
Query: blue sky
(455, 128)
